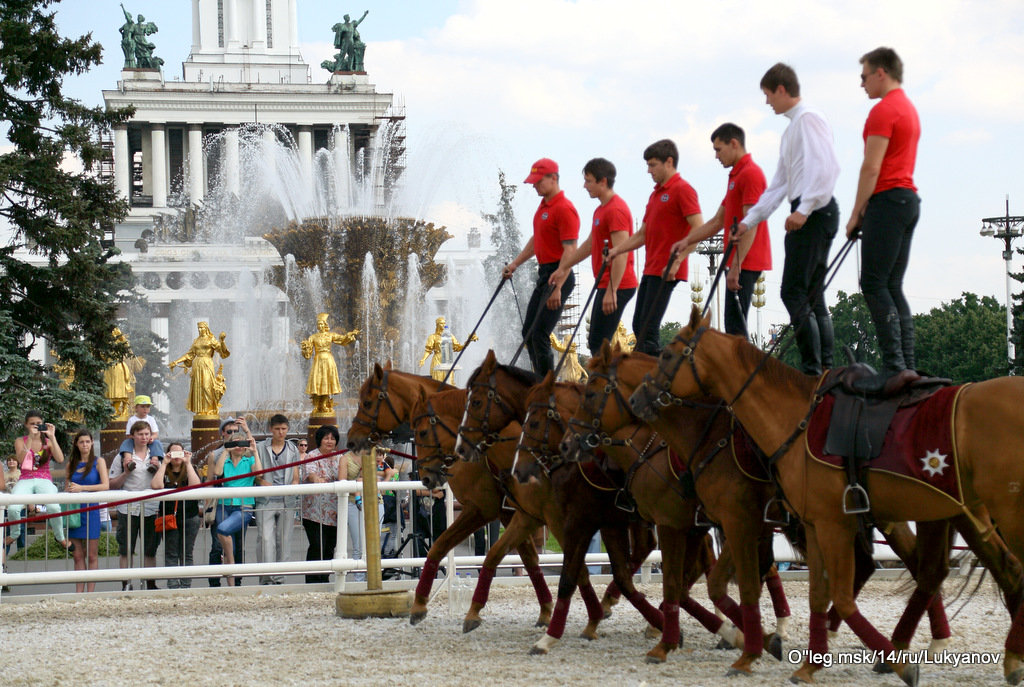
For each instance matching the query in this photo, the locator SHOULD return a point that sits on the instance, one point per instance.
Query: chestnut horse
(773, 402)
(549, 407)
(386, 399)
(385, 402)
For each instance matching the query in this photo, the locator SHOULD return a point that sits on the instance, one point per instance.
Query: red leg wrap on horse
(937, 619)
(427, 576)
(779, 601)
(753, 636)
(557, 625)
(670, 632)
(593, 604)
(483, 586)
(916, 606)
(613, 591)
(731, 609)
(872, 638)
(1015, 640)
(711, 622)
(649, 612)
(817, 628)
(539, 584)
(834, 621)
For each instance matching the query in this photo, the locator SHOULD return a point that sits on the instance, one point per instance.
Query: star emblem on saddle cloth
(934, 463)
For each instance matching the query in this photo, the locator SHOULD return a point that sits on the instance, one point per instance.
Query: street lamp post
(712, 248)
(1006, 228)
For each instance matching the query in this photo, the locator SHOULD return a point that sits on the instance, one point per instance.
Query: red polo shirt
(613, 216)
(746, 184)
(895, 118)
(555, 221)
(665, 220)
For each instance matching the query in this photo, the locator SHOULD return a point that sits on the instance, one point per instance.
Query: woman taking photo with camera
(179, 540)
(236, 514)
(34, 451)
(85, 473)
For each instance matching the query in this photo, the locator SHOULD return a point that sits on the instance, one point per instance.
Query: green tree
(507, 241)
(58, 290)
(964, 339)
(668, 332)
(851, 320)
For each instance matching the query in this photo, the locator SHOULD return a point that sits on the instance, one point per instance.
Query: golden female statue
(205, 390)
(433, 348)
(323, 381)
(625, 341)
(119, 380)
(572, 371)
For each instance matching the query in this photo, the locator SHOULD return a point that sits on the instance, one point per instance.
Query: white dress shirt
(808, 167)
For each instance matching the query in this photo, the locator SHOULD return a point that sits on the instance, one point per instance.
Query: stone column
(196, 39)
(306, 153)
(231, 159)
(147, 160)
(161, 327)
(122, 161)
(196, 163)
(259, 25)
(293, 25)
(159, 166)
(231, 39)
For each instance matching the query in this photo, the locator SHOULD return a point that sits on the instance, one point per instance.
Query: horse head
(434, 431)
(676, 375)
(493, 401)
(543, 427)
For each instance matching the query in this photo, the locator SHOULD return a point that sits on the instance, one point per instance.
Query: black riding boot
(808, 342)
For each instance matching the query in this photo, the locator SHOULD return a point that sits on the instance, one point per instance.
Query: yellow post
(371, 517)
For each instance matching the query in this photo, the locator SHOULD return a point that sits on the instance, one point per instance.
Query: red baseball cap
(541, 168)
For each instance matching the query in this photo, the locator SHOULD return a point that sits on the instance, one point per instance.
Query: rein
(488, 436)
(383, 396)
(469, 339)
(434, 420)
(583, 312)
(541, 448)
(533, 325)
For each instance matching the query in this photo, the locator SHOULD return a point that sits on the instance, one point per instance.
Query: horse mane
(773, 371)
(449, 403)
(518, 374)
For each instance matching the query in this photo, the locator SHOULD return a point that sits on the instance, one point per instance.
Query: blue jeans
(235, 519)
(155, 448)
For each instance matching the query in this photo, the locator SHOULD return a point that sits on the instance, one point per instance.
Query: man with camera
(275, 515)
(133, 471)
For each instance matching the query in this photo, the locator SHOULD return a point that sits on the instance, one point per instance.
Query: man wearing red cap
(672, 211)
(556, 226)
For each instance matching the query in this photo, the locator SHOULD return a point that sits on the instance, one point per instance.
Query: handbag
(74, 520)
(167, 522)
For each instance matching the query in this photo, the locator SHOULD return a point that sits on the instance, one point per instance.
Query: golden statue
(205, 389)
(572, 371)
(323, 381)
(66, 371)
(433, 348)
(119, 380)
(624, 340)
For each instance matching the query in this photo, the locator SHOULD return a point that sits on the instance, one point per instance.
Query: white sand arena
(296, 639)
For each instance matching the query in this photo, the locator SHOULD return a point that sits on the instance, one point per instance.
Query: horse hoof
(589, 633)
(544, 645)
(724, 645)
(415, 618)
(537, 651)
(774, 647)
(541, 623)
(1014, 677)
(882, 668)
(782, 627)
(732, 672)
(911, 674)
(654, 658)
(469, 625)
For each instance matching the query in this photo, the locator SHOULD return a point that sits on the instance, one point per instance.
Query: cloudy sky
(492, 85)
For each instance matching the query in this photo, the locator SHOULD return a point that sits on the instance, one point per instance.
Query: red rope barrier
(211, 483)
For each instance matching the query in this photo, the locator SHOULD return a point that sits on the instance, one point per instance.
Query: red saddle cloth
(744, 453)
(920, 443)
(595, 474)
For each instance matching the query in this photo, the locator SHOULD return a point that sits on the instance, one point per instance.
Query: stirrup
(699, 521)
(624, 501)
(784, 522)
(861, 502)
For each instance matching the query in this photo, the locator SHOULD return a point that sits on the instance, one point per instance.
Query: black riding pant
(538, 344)
(602, 327)
(737, 304)
(651, 302)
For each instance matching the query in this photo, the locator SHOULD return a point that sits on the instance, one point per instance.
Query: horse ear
(389, 365)
(695, 319)
(377, 371)
(490, 359)
(549, 378)
(606, 351)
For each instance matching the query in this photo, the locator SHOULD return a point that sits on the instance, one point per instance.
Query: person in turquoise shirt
(239, 461)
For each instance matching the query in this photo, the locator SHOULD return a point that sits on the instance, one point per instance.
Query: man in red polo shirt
(672, 211)
(887, 207)
(556, 226)
(754, 251)
(613, 224)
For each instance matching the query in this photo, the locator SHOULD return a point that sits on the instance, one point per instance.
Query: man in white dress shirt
(806, 175)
